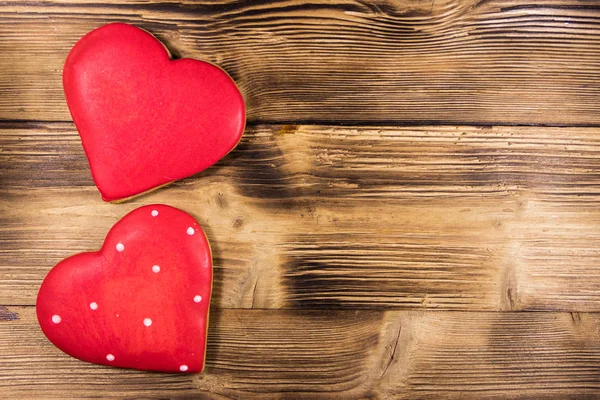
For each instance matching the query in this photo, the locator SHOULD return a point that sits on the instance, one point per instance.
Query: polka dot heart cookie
(146, 120)
(141, 301)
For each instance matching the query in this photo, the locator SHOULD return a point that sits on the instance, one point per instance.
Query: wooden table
(413, 212)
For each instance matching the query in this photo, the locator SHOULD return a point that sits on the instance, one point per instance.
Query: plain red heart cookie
(146, 120)
(140, 302)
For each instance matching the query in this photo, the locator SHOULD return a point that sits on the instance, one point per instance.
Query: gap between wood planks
(250, 125)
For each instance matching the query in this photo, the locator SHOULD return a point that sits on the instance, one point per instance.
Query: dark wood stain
(7, 315)
(338, 271)
(263, 175)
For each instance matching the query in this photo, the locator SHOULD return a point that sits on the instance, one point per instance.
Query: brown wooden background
(412, 213)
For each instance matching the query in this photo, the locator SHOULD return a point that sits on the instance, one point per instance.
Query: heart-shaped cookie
(141, 301)
(146, 120)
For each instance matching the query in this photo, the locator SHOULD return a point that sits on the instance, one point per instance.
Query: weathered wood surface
(372, 260)
(263, 354)
(458, 218)
(405, 61)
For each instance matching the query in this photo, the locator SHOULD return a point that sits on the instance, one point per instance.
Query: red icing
(146, 120)
(104, 298)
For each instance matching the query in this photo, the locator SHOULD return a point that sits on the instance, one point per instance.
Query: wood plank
(402, 62)
(270, 354)
(457, 218)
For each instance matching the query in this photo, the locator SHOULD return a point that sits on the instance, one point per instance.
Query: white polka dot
(190, 231)
(110, 357)
(120, 247)
(94, 306)
(147, 321)
(56, 319)
(156, 269)
(154, 213)
(197, 299)
(183, 368)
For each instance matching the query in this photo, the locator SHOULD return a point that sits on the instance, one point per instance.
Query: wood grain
(312, 217)
(343, 61)
(368, 243)
(274, 354)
